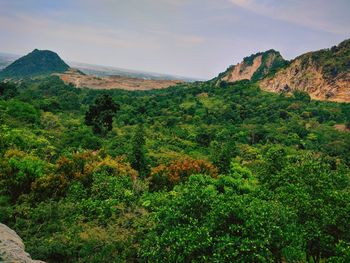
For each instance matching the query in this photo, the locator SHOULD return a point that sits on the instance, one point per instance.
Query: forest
(198, 172)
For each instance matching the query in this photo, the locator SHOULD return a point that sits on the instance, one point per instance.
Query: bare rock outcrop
(12, 249)
(323, 74)
(305, 75)
(254, 67)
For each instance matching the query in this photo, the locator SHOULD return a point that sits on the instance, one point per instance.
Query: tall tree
(138, 156)
(100, 114)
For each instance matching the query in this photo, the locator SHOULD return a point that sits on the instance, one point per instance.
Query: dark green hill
(36, 63)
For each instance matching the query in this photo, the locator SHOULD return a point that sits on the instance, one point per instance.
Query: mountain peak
(254, 67)
(36, 63)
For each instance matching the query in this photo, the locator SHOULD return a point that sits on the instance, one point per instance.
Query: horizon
(194, 39)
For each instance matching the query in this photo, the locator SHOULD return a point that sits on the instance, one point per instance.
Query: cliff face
(324, 74)
(254, 67)
(12, 247)
(304, 74)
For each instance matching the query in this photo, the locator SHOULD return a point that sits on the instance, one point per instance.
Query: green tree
(317, 190)
(8, 90)
(100, 114)
(302, 96)
(208, 220)
(138, 153)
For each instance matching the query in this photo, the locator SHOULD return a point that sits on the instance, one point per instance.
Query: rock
(12, 248)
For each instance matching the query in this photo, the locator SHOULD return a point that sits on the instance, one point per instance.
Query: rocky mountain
(324, 74)
(36, 63)
(12, 247)
(254, 67)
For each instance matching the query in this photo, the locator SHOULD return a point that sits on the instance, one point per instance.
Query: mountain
(254, 67)
(323, 74)
(36, 63)
(103, 71)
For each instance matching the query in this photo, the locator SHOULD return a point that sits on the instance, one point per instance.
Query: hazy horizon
(190, 38)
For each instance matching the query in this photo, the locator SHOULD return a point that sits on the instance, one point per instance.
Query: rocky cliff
(12, 247)
(324, 74)
(254, 67)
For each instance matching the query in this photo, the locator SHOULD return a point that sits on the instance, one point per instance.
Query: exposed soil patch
(114, 82)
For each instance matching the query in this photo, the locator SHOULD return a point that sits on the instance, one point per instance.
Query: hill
(323, 74)
(254, 67)
(36, 63)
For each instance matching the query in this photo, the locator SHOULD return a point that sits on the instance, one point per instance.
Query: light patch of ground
(114, 82)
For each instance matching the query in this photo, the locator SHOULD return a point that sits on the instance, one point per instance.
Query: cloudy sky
(196, 38)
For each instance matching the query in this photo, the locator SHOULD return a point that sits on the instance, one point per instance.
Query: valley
(100, 164)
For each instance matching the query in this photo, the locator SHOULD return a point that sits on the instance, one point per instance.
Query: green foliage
(18, 172)
(191, 173)
(100, 114)
(302, 96)
(207, 220)
(8, 90)
(138, 155)
(271, 62)
(318, 190)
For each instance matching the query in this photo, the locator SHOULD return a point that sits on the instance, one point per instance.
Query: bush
(167, 176)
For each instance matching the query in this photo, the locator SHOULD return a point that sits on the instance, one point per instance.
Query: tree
(208, 220)
(100, 114)
(302, 96)
(166, 177)
(317, 190)
(8, 90)
(138, 156)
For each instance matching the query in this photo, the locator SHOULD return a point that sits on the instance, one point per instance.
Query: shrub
(166, 176)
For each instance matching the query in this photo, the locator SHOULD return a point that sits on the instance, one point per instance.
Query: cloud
(322, 15)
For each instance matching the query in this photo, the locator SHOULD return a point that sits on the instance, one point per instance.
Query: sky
(193, 38)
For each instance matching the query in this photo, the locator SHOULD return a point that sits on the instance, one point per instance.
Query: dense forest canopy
(195, 173)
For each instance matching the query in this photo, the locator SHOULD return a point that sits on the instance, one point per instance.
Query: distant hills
(100, 71)
(324, 74)
(103, 71)
(36, 63)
